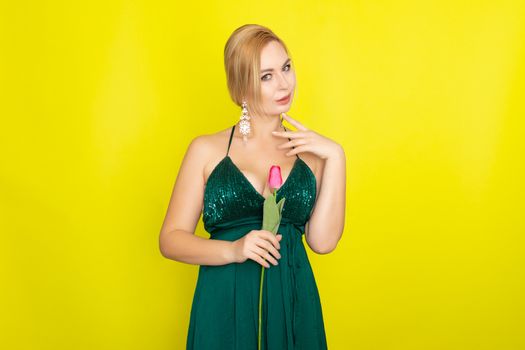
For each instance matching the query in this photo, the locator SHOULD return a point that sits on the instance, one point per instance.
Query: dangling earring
(244, 124)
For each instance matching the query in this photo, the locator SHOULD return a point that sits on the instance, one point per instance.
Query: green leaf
(271, 214)
(280, 205)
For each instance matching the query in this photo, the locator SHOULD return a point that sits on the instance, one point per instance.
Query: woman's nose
(283, 82)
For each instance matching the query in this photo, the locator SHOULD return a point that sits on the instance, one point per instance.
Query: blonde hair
(242, 55)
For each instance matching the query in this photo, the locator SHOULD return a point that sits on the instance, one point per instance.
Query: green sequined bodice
(229, 197)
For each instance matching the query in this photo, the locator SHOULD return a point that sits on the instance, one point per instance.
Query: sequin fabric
(229, 196)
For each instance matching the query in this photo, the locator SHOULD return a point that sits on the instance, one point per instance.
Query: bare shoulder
(213, 149)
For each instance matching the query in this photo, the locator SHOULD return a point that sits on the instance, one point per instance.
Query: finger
(266, 255)
(296, 150)
(257, 258)
(271, 249)
(290, 134)
(294, 122)
(272, 238)
(267, 246)
(292, 143)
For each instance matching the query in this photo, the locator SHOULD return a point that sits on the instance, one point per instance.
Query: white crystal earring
(244, 124)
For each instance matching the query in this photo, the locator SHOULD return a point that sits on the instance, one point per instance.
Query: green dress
(225, 308)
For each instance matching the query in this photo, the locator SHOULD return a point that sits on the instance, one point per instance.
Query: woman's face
(277, 79)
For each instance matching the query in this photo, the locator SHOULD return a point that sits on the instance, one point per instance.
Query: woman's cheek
(267, 95)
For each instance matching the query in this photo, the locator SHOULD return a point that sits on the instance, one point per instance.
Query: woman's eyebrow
(271, 69)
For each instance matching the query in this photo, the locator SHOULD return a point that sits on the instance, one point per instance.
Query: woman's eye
(266, 75)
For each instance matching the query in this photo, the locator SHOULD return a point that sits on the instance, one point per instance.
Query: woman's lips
(284, 99)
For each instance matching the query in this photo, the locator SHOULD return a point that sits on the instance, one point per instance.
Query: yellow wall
(100, 99)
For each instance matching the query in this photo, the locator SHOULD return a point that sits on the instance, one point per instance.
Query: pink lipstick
(284, 100)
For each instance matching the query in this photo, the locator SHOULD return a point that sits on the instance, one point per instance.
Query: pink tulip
(275, 178)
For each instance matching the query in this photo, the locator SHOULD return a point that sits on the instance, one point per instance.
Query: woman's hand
(257, 245)
(306, 140)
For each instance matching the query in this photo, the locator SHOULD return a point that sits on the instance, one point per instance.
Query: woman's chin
(284, 107)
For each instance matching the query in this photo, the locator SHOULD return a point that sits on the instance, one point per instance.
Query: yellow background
(100, 99)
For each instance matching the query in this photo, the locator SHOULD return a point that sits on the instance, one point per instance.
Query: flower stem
(274, 194)
(260, 306)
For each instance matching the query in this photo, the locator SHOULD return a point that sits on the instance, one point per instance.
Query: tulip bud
(274, 178)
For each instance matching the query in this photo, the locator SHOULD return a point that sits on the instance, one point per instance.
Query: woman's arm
(177, 240)
(186, 247)
(325, 227)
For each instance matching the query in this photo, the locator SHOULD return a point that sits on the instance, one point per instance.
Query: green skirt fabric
(225, 311)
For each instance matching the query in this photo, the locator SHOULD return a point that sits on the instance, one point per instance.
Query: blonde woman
(224, 175)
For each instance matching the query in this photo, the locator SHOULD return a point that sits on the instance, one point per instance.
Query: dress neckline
(250, 185)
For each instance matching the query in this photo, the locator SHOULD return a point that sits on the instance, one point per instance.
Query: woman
(225, 175)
